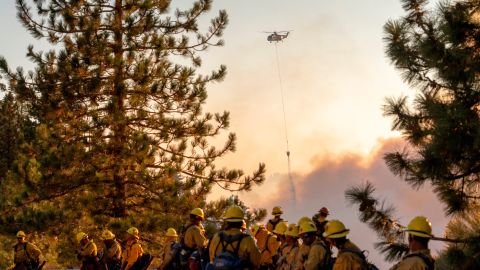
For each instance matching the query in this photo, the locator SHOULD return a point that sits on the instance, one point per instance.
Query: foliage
(437, 53)
(380, 218)
(215, 210)
(118, 136)
(15, 130)
(462, 256)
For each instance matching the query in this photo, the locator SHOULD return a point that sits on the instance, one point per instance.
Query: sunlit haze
(335, 77)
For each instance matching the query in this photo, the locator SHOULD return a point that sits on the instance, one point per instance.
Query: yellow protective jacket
(113, 253)
(317, 256)
(302, 256)
(25, 251)
(168, 254)
(349, 260)
(133, 251)
(248, 250)
(194, 237)
(268, 245)
(88, 251)
(287, 257)
(414, 262)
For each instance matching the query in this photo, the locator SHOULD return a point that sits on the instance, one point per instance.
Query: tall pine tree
(438, 54)
(120, 135)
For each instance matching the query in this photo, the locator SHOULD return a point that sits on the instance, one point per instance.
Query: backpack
(366, 264)
(175, 250)
(226, 259)
(428, 261)
(143, 262)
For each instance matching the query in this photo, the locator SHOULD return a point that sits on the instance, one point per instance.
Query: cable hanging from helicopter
(276, 37)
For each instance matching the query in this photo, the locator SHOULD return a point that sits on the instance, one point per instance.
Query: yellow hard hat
(280, 228)
(171, 232)
(80, 236)
(133, 231)
(335, 229)
(303, 220)
(21, 234)
(292, 230)
(307, 227)
(198, 212)
(234, 214)
(420, 226)
(277, 210)
(256, 228)
(108, 235)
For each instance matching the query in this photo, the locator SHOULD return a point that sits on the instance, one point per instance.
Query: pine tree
(380, 218)
(438, 54)
(460, 255)
(120, 135)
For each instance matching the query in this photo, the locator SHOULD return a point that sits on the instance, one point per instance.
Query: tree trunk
(118, 125)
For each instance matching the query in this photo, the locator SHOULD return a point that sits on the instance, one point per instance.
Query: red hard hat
(324, 210)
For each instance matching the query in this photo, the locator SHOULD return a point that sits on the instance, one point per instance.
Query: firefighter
(303, 250)
(172, 247)
(349, 255)
(193, 241)
(319, 254)
(320, 220)
(112, 252)
(268, 245)
(87, 253)
(234, 240)
(419, 232)
(276, 213)
(26, 254)
(133, 249)
(289, 252)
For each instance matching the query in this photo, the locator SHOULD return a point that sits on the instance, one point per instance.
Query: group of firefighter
(306, 245)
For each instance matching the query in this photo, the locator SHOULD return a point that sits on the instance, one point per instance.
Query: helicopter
(277, 36)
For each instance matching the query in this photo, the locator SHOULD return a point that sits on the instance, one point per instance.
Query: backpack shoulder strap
(429, 262)
(222, 241)
(229, 240)
(239, 241)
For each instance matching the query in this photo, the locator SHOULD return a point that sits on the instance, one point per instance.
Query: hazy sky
(335, 77)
